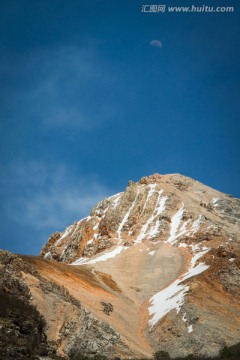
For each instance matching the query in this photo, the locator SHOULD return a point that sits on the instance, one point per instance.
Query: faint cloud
(71, 117)
(156, 43)
(47, 196)
(62, 87)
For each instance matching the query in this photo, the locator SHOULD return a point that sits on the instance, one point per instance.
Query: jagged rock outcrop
(156, 267)
(124, 215)
(70, 328)
(22, 327)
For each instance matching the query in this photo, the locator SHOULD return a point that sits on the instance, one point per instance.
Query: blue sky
(88, 102)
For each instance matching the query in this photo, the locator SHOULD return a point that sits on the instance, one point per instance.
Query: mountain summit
(156, 267)
(166, 208)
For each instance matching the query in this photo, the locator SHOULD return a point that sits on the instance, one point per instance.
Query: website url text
(186, 9)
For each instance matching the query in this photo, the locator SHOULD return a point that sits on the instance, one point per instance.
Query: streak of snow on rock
(76, 228)
(65, 234)
(116, 200)
(172, 297)
(183, 245)
(215, 201)
(124, 220)
(183, 228)
(95, 228)
(150, 193)
(47, 255)
(79, 261)
(103, 257)
(159, 208)
(184, 317)
(166, 300)
(196, 225)
(190, 328)
(176, 220)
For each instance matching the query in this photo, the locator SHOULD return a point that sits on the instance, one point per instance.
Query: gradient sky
(89, 101)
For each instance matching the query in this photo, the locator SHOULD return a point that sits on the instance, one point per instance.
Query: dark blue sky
(87, 103)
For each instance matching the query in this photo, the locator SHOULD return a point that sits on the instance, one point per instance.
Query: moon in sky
(156, 43)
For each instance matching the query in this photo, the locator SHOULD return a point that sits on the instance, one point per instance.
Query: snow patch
(172, 297)
(183, 228)
(47, 255)
(105, 256)
(150, 193)
(159, 208)
(124, 220)
(100, 212)
(79, 261)
(65, 234)
(76, 228)
(166, 300)
(117, 200)
(183, 245)
(95, 226)
(184, 317)
(190, 328)
(176, 220)
(195, 225)
(215, 201)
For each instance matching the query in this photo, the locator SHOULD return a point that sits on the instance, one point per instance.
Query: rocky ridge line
(158, 263)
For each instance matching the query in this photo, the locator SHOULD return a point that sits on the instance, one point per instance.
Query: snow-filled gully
(172, 297)
(124, 220)
(118, 249)
(150, 192)
(159, 208)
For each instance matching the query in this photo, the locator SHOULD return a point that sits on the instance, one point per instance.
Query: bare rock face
(156, 267)
(71, 329)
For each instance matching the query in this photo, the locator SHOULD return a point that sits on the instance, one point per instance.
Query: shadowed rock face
(156, 267)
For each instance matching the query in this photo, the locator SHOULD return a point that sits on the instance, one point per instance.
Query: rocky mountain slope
(156, 267)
